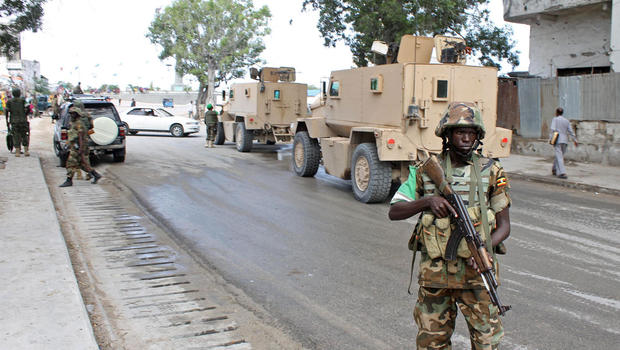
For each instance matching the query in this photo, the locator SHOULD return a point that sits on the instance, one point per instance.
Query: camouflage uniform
(16, 113)
(78, 138)
(87, 125)
(74, 159)
(445, 284)
(211, 123)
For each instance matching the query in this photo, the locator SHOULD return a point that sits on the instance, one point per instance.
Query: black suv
(97, 109)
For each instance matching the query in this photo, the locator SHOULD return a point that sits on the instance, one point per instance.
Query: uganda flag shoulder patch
(502, 181)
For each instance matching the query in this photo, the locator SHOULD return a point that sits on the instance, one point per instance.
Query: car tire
(371, 178)
(176, 130)
(57, 148)
(244, 138)
(132, 132)
(119, 155)
(270, 142)
(220, 138)
(63, 158)
(306, 155)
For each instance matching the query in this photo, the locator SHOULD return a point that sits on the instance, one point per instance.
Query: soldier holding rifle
(457, 271)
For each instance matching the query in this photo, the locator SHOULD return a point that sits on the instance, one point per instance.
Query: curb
(564, 183)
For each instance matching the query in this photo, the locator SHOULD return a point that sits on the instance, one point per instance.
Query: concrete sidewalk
(43, 308)
(591, 177)
(42, 305)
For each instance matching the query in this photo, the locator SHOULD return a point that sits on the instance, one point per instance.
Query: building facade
(569, 37)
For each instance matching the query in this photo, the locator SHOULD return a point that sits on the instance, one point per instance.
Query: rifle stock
(464, 229)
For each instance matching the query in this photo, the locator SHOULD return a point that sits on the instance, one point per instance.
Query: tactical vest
(434, 233)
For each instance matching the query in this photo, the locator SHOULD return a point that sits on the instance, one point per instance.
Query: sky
(104, 42)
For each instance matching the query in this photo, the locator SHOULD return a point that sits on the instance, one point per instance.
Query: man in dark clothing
(211, 123)
(17, 121)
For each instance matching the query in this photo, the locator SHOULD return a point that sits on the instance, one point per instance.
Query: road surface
(333, 272)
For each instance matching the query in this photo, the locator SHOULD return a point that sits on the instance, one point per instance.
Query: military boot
(18, 151)
(207, 144)
(67, 183)
(96, 176)
(210, 144)
(88, 176)
(26, 153)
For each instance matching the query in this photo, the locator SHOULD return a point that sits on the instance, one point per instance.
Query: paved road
(333, 272)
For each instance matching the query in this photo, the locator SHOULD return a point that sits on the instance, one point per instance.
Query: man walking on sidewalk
(17, 122)
(562, 126)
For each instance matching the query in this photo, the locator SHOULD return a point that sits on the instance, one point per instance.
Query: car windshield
(164, 113)
(102, 111)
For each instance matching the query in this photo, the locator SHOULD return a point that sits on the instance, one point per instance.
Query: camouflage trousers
(435, 314)
(76, 162)
(211, 131)
(73, 163)
(20, 133)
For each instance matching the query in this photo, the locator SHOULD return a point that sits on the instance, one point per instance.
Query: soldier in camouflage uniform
(211, 124)
(445, 284)
(76, 138)
(17, 121)
(87, 127)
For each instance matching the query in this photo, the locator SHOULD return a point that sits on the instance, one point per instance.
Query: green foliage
(359, 22)
(66, 85)
(17, 16)
(211, 39)
(41, 86)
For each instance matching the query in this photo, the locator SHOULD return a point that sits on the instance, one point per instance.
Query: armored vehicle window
(247, 92)
(276, 94)
(334, 88)
(231, 95)
(442, 89)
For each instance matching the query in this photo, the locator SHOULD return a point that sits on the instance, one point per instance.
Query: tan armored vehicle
(263, 110)
(371, 123)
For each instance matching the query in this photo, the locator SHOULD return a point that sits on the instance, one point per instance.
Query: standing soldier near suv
(87, 127)
(17, 121)
(446, 284)
(77, 137)
(211, 123)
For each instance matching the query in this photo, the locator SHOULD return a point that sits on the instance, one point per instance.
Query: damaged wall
(599, 142)
(576, 40)
(564, 34)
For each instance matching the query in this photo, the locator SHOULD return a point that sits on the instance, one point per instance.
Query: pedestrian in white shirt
(562, 126)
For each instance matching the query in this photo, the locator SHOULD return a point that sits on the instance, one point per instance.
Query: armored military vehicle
(263, 110)
(371, 123)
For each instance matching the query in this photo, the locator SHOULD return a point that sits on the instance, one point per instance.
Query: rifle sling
(483, 205)
(415, 251)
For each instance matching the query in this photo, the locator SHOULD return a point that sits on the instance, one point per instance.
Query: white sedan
(158, 120)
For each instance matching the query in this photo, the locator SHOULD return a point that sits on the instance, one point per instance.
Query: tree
(41, 86)
(17, 16)
(211, 40)
(359, 22)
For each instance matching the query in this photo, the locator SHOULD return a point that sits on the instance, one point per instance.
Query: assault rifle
(465, 229)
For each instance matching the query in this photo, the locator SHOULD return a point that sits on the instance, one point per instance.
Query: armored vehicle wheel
(370, 177)
(306, 154)
(220, 138)
(243, 138)
(270, 142)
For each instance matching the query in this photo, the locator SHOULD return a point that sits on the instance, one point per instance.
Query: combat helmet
(461, 114)
(75, 110)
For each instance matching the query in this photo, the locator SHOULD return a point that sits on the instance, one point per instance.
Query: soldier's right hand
(440, 207)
